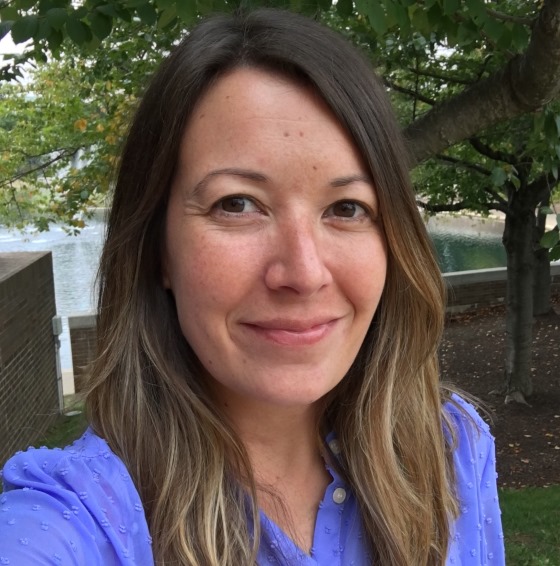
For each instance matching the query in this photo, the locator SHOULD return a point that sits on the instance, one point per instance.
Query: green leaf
(57, 17)
(138, 3)
(519, 37)
(108, 10)
(505, 41)
(186, 10)
(344, 8)
(375, 14)
(101, 25)
(25, 4)
(164, 4)
(44, 29)
(77, 31)
(545, 210)
(420, 22)
(476, 9)
(166, 17)
(538, 122)
(147, 14)
(499, 176)
(324, 5)
(9, 13)
(450, 7)
(493, 29)
(551, 128)
(403, 20)
(557, 121)
(435, 15)
(25, 28)
(554, 254)
(123, 13)
(550, 239)
(55, 39)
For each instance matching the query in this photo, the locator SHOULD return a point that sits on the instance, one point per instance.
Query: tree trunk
(541, 283)
(518, 241)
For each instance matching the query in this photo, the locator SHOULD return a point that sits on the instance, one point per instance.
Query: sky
(8, 46)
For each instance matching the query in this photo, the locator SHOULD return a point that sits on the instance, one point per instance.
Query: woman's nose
(297, 261)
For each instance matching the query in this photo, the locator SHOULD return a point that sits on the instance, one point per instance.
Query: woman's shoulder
(81, 498)
(87, 460)
(466, 420)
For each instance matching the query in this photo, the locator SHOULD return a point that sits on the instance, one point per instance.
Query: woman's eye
(347, 209)
(237, 205)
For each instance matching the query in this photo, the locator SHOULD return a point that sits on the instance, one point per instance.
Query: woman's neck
(284, 449)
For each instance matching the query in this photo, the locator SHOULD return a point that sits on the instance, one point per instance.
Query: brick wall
(82, 342)
(29, 400)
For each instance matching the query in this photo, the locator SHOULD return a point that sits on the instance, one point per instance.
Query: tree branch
(494, 154)
(525, 84)
(500, 200)
(408, 92)
(525, 21)
(62, 155)
(441, 77)
(465, 164)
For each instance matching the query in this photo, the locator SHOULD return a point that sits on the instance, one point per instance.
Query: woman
(267, 386)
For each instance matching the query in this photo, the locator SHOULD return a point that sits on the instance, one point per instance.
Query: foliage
(61, 129)
(429, 52)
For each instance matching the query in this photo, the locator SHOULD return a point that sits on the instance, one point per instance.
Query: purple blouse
(79, 506)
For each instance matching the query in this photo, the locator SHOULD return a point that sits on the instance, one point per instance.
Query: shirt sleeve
(75, 506)
(477, 537)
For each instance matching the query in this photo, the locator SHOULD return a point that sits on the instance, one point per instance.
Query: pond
(462, 245)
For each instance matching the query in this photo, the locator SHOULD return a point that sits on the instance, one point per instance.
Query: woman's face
(273, 250)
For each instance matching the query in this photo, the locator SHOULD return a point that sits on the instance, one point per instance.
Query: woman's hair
(146, 396)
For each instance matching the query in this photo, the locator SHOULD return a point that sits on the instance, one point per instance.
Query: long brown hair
(145, 395)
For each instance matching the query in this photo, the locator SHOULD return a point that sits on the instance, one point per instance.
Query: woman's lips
(292, 333)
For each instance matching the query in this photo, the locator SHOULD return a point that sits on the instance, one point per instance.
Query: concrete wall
(466, 290)
(29, 400)
(484, 287)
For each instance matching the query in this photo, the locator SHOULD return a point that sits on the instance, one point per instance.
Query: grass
(67, 428)
(530, 516)
(531, 521)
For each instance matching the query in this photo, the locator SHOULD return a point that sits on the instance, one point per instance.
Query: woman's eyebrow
(349, 179)
(228, 171)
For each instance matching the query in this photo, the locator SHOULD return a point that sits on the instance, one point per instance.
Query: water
(466, 244)
(462, 245)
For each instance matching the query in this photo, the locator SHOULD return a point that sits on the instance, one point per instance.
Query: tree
(512, 168)
(61, 129)
(470, 65)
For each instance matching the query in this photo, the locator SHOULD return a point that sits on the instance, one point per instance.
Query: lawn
(531, 521)
(531, 516)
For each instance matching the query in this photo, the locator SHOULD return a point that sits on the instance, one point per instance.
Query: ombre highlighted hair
(146, 395)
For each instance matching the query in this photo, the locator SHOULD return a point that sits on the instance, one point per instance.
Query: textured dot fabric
(79, 506)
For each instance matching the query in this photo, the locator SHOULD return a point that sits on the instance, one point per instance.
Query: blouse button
(339, 495)
(335, 447)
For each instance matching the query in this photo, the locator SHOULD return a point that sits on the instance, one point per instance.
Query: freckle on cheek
(286, 134)
(314, 167)
(301, 134)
